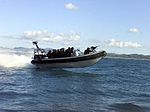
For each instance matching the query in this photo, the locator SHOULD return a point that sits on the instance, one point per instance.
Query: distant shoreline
(25, 51)
(127, 58)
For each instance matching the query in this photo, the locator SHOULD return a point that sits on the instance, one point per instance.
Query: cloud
(71, 6)
(134, 30)
(121, 44)
(52, 37)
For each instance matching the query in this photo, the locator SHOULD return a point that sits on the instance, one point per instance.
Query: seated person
(93, 48)
(87, 51)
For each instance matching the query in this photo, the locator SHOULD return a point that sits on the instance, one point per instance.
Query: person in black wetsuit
(87, 51)
(49, 54)
(93, 48)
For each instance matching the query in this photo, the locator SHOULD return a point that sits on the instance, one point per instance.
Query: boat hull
(70, 62)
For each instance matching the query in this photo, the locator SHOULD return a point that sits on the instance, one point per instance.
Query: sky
(117, 26)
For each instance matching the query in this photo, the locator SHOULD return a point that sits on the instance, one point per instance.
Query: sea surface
(111, 85)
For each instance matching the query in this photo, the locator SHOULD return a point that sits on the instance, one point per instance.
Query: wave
(127, 107)
(14, 58)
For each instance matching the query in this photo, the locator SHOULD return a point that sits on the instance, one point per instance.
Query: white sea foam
(14, 60)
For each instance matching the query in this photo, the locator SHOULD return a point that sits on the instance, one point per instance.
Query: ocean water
(111, 85)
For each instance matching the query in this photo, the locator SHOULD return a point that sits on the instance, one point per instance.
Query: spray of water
(14, 60)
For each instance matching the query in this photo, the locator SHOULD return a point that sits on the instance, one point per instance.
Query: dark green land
(128, 56)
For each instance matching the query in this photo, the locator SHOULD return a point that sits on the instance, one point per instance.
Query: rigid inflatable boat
(76, 59)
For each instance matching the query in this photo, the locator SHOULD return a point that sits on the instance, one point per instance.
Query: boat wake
(14, 60)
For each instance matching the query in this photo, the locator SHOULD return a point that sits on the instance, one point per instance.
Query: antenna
(35, 43)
